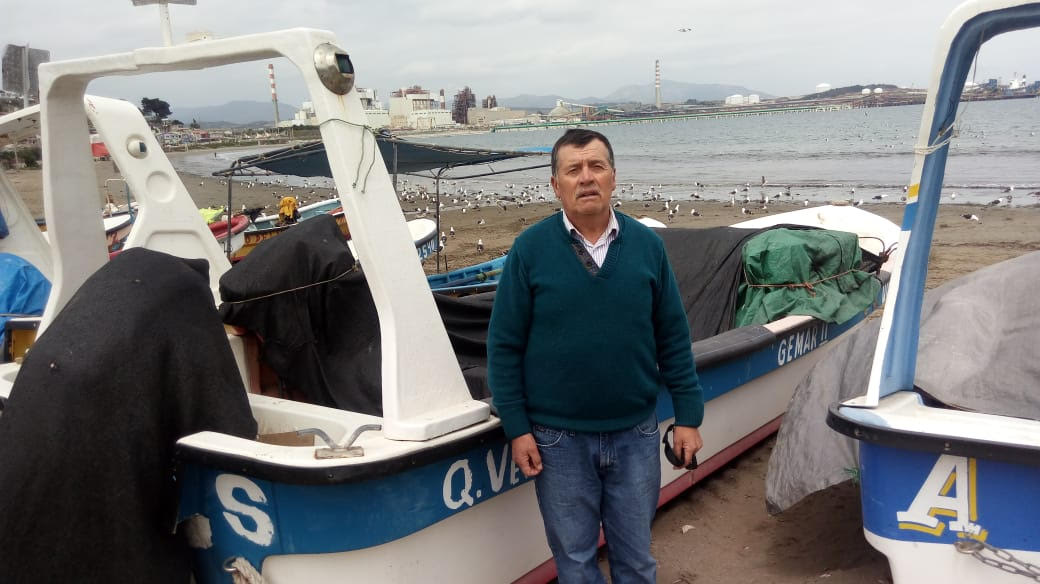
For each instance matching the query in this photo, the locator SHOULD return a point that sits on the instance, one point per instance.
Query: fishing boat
(265, 228)
(423, 234)
(219, 228)
(947, 492)
(482, 277)
(117, 227)
(422, 485)
(306, 212)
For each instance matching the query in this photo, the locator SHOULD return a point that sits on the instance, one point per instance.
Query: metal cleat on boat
(334, 449)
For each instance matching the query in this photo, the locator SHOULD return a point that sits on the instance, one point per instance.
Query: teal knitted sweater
(589, 353)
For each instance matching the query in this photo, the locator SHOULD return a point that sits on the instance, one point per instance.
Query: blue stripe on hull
(916, 496)
(256, 518)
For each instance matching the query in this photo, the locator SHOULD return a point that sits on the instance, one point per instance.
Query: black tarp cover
(401, 155)
(137, 359)
(323, 340)
(707, 264)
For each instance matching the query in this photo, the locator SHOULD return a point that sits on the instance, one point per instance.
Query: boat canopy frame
(970, 26)
(431, 161)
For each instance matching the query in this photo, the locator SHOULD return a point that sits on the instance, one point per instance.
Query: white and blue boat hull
(361, 518)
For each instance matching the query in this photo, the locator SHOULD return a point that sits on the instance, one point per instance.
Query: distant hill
(671, 92)
(233, 113)
(847, 90)
(679, 92)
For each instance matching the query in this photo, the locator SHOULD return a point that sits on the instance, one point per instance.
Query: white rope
(242, 572)
(375, 150)
(304, 287)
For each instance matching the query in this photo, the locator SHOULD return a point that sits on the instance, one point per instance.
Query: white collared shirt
(597, 250)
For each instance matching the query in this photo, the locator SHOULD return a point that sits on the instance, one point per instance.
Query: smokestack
(657, 82)
(274, 93)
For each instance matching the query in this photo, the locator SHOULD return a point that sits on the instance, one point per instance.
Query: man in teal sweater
(588, 328)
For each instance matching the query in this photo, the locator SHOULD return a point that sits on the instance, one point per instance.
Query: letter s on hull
(226, 484)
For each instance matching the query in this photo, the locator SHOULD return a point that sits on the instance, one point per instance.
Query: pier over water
(741, 113)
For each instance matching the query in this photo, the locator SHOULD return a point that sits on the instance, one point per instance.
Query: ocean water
(822, 156)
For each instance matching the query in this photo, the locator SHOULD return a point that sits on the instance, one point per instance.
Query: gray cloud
(509, 47)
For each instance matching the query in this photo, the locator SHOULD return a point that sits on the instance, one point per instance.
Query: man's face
(584, 179)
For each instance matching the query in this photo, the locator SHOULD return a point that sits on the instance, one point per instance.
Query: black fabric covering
(323, 340)
(707, 266)
(137, 359)
(466, 320)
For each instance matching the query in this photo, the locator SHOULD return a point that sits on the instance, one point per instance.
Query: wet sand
(733, 539)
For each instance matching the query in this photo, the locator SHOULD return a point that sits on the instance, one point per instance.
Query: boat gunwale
(933, 443)
(355, 472)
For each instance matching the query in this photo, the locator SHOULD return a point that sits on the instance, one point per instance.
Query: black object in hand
(670, 454)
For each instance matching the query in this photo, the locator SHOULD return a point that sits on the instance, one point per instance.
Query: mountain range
(233, 113)
(259, 113)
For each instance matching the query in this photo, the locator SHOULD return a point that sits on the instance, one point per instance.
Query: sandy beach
(733, 539)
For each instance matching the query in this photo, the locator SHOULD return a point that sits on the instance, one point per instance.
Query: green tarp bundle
(809, 272)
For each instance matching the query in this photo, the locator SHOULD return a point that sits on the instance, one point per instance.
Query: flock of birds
(420, 199)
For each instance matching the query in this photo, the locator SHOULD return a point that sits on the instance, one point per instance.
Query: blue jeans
(587, 479)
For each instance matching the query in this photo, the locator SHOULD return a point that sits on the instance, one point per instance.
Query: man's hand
(526, 456)
(687, 443)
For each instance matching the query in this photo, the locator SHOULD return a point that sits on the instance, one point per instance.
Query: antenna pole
(164, 24)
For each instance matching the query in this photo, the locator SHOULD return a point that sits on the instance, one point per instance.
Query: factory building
(416, 108)
(377, 116)
(483, 116)
(739, 99)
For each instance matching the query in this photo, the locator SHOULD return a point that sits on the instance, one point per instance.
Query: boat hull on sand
(288, 514)
(948, 493)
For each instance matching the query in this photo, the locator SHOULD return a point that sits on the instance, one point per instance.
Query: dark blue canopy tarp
(400, 156)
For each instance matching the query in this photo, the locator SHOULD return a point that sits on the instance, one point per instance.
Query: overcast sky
(510, 47)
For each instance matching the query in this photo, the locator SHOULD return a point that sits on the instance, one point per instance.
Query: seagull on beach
(451, 231)
(480, 245)
(972, 217)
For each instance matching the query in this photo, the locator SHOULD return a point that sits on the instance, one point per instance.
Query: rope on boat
(884, 255)
(375, 150)
(792, 285)
(242, 572)
(280, 292)
(886, 252)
